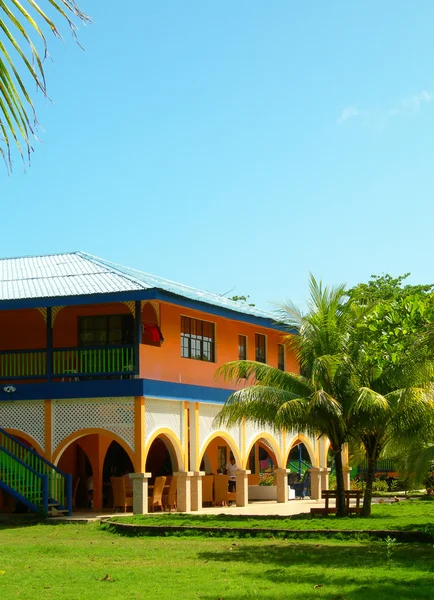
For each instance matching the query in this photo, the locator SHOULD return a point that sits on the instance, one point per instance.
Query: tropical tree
(23, 48)
(394, 353)
(319, 399)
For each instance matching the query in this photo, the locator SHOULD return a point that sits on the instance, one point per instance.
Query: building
(106, 370)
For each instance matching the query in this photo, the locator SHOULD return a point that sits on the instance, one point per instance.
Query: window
(197, 339)
(242, 347)
(222, 458)
(106, 330)
(281, 357)
(260, 347)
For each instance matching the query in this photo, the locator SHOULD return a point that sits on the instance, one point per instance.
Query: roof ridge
(110, 264)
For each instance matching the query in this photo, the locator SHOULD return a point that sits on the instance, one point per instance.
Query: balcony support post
(137, 336)
(49, 346)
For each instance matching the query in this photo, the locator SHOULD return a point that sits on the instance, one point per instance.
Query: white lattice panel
(164, 413)
(26, 416)
(207, 413)
(253, 431)
(116, 415)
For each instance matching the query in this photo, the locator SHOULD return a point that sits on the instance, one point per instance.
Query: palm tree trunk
(341, 505)
(367, 497)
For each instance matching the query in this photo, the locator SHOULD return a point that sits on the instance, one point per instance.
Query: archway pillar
(281, 478)
(315, 483)
(140, 492)
(325, 472)
(242, 492)
(196, 490)
(183, 490)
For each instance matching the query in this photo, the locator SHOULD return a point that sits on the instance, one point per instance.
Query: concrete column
(325, 478)
(196, 490)
(242, 487)
(140, 492)
(315, 483)
(347, 477)
(183, 491)
(281, 478)
(194, 435)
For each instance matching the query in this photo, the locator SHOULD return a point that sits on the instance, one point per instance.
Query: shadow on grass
(358, 571)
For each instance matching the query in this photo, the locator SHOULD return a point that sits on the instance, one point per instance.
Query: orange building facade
(106, 371)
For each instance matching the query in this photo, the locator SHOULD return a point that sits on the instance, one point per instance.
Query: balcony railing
(68, 363)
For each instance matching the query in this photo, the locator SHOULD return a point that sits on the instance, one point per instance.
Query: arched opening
(220, 459)
(162, 459)
(261, 463)
(299, 462)
(83, 455)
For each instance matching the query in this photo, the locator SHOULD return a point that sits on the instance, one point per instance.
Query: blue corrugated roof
(81, 274)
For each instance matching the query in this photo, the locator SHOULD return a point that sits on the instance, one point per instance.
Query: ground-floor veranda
(94, 439)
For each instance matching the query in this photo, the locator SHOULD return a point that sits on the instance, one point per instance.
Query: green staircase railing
(26, 473)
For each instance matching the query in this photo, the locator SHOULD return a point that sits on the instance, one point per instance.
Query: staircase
(33, 480)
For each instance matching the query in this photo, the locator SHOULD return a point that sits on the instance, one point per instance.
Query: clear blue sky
(237, 144)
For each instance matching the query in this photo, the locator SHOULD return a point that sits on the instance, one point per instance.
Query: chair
(221, 492)
(208, 489)
(128, 484)
(74, 492)
(120, 497)
(169, 499)
(157, 494)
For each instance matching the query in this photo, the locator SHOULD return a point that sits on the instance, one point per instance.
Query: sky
(236, 146)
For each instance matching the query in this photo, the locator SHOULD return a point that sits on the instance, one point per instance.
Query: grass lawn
(77, 562)
(410, 515)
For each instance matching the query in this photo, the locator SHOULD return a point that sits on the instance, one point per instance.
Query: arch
(28, 438)
(175, 445)
(227, 438)
(76, 435)
(308, 444)
(273, 444)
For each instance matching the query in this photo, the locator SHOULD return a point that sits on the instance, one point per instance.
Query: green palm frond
(264, 406)
(22, 25)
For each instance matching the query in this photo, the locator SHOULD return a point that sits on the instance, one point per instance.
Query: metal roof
(80, 274)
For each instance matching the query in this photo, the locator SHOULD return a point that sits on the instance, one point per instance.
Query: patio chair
(222, 495)
(169, 499)
(120, 497)
(156, 499)
(208, 489)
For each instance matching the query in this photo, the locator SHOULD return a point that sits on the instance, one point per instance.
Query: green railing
(59, 483)
(24, 482)
(23, 364)
(89, 361)
(68, 363)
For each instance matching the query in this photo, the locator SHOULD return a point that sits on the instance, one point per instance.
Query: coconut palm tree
(23, 24)
(319, 399)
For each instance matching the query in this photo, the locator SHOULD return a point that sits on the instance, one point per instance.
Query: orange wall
(26, 329)
(166, 364)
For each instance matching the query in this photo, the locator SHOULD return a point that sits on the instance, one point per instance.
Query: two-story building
(106, 370)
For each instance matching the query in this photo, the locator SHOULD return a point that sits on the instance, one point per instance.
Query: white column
(315, 483)
(140, 492)
(183, 491)
(196, 490)
(242, 487)
(281, 477)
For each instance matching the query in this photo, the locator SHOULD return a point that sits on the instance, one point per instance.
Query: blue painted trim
(183, 391)
(137, 295)
(63, 390)
(49, 365)
(17, 496)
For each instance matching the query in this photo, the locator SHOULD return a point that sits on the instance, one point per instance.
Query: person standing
(231, 469)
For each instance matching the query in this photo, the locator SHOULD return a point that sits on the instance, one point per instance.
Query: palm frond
(264, 406)
(22, 25)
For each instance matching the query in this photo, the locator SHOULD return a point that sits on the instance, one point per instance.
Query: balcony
(68, 364)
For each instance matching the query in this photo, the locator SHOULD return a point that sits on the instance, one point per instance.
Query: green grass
(408, 515)
(80, 562)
